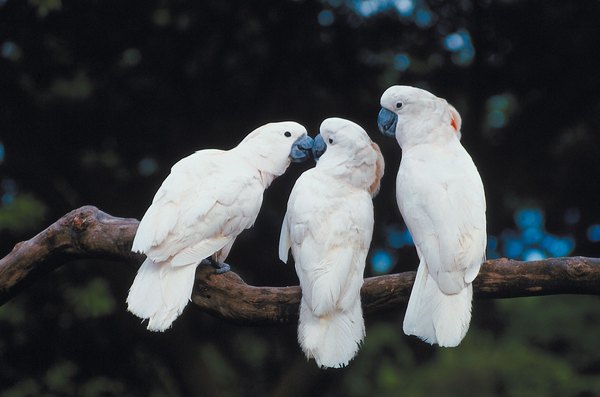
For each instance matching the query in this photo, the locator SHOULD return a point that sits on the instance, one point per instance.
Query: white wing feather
(208, 199)
(285, 241)
(329, 227)
(443, 205)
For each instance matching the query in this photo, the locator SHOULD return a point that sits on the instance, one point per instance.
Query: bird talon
(220, 268)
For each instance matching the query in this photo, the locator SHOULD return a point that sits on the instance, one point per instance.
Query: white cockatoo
(441, 198)
(209, 198)
(328, 226)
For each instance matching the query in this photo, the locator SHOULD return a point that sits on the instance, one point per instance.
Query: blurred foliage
(44, 7)
(22, 213)
(483, 366)
(91, 300)
(99, 99)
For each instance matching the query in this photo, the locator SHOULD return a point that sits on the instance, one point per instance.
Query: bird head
(410, 114)
(349, 152)
(273, 146)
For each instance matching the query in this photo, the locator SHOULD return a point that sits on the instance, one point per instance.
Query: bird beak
(319, 147)
(301, 149)
(387, 121)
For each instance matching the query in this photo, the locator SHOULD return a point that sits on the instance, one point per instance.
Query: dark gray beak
(301, 149)
(319, 147)
(387, 121)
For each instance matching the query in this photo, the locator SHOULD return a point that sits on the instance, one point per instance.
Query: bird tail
(160, 292)
(434, 316)
(332, 339)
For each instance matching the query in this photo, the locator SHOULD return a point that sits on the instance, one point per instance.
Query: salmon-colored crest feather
(380, 165)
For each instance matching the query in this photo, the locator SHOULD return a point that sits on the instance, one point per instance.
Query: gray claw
(220, 268)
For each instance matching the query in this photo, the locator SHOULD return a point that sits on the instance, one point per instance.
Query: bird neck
(267, 164)
(425, 133)
(356, 172)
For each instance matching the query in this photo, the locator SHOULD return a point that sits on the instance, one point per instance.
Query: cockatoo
(208, 199)
(441, 198)
(328, 226)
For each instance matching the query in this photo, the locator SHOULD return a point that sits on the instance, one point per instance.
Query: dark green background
(99, 98)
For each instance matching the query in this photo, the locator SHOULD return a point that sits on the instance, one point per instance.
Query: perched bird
(441, 198)
(208, 199)
(328, 226)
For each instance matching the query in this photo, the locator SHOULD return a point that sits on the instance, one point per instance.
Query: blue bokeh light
(7, 198)
(454, 42)
(381, 261)
(414, 10)
(496, 119)
(401, 62)
(532, 235)
(500, 102)
(423, 18)
(147, 166)
(513, 247)
(548, 242)
(404, 7)
(9, 191)
(532, 241)
(2, 152)
(398, 237)
(499, 107)
(326, 18)
(461, 46)
(533, 254)
(593, 233)
(561, 246)
(8, 49)
(492, 243)
(529, 217)
(368, 8)
(492, 248)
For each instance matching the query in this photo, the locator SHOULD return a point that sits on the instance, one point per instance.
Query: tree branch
(88, 233)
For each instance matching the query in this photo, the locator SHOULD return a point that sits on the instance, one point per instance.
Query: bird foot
(220, 268)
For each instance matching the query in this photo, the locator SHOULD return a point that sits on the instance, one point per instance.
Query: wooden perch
(88, 233)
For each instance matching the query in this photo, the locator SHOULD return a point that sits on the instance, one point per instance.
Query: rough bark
(88, 233)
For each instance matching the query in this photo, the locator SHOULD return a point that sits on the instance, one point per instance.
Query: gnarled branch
(88, 233)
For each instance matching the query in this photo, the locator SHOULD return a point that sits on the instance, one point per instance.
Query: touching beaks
(319, 147)
(301, 149)
(387, 121)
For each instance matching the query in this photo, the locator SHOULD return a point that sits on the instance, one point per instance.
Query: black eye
(399, 105)
(330, 140)
(287, 134)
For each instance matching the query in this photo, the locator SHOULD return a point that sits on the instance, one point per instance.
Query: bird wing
(443, 205)
(207, 200)
(285, 241)
(330, 231)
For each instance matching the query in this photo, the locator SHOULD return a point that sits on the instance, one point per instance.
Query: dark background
(99, 98)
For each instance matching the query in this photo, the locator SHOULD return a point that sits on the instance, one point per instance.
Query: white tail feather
(434, 316)
(334, 339)
(160, 292)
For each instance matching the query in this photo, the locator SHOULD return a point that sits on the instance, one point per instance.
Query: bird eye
(330, 140)
(287, 134)
(399, 105)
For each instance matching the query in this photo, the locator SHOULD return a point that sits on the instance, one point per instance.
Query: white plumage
(328, 226)
(208, 199)
(441, 198)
